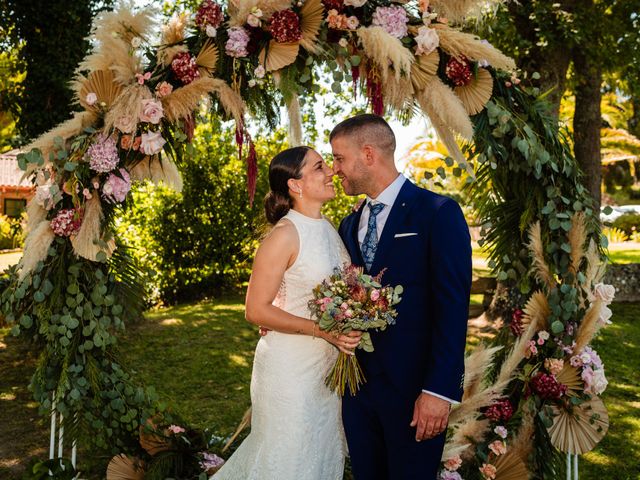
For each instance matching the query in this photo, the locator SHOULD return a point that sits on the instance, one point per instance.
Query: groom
(396, 423)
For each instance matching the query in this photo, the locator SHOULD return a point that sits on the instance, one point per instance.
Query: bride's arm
(277, 252)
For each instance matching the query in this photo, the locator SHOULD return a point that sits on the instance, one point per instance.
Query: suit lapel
(353, 244)
(399, 210)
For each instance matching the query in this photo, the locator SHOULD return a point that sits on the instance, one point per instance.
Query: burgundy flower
(458, 70)
(547, 386)
(516, 325)
(285, 26)
(209, 13)
(333, 5)
(185, 67)
(67, 222)
(500, 411)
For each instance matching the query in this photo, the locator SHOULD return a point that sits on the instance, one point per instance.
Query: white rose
(600, 382)
(427, 40)
(43, 196)
(151, 143)
(252, 83)
(604, 292)
(136, 42)
(253, 20)
(343, 42)
(211, 31)
(355, 3)
(126, 124)
(605, 315)
(151, 111)
(259, 71)
(544, 335)
(91, 98)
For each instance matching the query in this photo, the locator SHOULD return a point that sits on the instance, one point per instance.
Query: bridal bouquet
(351, 300)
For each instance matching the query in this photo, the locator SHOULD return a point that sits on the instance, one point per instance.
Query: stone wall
(626, 279)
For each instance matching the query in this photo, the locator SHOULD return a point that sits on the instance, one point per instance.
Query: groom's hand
(430, 416)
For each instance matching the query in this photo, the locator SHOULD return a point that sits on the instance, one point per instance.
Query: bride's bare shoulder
(282, 235)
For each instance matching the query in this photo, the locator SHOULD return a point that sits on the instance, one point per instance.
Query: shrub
(11, 232)
(628, 223)
(615, 235)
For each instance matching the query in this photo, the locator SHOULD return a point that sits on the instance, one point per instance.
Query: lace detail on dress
(296, 425)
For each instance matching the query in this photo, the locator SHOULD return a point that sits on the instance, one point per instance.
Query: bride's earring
(300, 193)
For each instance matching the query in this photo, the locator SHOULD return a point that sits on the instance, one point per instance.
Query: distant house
(15, 191)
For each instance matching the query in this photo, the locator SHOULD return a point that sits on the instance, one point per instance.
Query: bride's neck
(308, 209)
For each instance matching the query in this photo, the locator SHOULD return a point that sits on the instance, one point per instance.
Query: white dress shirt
(387, 197)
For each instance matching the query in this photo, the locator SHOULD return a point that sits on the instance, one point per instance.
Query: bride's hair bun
(285, 165)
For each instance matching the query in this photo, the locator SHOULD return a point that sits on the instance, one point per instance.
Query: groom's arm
(450, 279)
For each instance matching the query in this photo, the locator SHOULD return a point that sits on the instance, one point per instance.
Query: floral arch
(76, 287)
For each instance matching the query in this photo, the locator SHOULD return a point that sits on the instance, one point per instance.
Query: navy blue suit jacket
(425, 348)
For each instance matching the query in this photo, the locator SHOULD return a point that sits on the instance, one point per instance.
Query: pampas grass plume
(460, 44)
(385, 51)
(36, 248)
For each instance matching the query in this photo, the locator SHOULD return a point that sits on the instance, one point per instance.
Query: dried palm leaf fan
(511, 467)
(570, 377)
(122, 467)
(279, 55)
(207, 58)
(102, 83)
(477, 93)
(581, 429)
(536, 310)
(423, 69)
(151, 441)
(310, 23)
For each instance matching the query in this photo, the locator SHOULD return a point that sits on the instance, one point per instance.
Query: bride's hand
(346, 343)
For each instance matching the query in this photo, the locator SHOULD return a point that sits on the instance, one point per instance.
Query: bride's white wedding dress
(296, 425)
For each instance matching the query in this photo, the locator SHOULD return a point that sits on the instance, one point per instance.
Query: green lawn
(199, 359)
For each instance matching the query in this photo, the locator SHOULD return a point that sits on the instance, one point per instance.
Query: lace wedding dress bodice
(296, 426)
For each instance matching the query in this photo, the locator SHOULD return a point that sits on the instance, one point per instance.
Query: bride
(296, 426)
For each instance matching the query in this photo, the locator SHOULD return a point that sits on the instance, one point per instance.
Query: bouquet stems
(345, 373)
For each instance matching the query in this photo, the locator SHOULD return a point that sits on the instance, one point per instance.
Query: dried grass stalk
(129, 103)
(183, 101)
(537, 311)
(577, 238)
(475, 366)
(455, 10)
(36, 247)
(595, 266)
(450, 451)
(398, 94)
(65, 130)
(166, 54)
(471, 430)
(244, 423)
(35, 214)
(588, 327)
(85, 243)
(441, 104)
(173, 31)
(510, 366)
(521, 445)
(472, 405)
(295, 122)
(156, 170)
(448, 139)
(536, 247)
(386, 52)
(239, 9)
(460, 44)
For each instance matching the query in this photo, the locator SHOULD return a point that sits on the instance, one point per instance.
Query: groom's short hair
(367, 129)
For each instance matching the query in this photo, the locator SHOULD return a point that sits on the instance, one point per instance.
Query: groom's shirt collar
(388, 195)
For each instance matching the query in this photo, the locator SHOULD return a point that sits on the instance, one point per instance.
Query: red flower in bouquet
(458, 70)
(285, 26)
(66, 223)
(209, 13)
(502, 410)
(547, 386)
(185, 67)
(333, 5)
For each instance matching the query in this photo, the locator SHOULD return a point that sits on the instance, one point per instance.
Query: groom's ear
(369, 154)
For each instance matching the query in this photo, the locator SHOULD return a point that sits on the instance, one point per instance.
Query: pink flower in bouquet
(554, 365)
(488, 471)
(151, 143)
(375, 295)
(66, 223)
(547, 386)
(185, 67)
(285, 26)
(43, 196)
(238, 41)
(501, 431)
(604, 317)
(151, 111)
(142, 78)
(604, 292)
(209, 13)
(103, 154)
(163, 89)
(458, 70)
(126, 142)
(392, 19)
(116, 187)
(352, 22)
(595, 381)
(335, 20)
(498, 447)
(453, 463)
(427, 41)
(175, 429)
(91, 98)
(126, 123)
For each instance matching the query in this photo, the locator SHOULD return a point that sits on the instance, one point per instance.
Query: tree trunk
(587, 121)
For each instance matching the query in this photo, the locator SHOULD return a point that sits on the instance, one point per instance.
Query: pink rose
(375, 295)
(498, 447)
(604, 292)
(453, 464)
(163, 89)
(151, 111)
(554, 365)
(175, 429)
(500, 431)
(151, 143)
(91, 98)
(488, 471)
